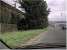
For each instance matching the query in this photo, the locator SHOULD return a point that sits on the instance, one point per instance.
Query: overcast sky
(57, 9)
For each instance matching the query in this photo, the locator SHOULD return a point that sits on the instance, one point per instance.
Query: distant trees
(36, 14)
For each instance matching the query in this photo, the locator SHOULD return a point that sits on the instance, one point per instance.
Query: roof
(9, 6)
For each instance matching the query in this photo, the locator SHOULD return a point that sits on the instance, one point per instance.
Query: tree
(36, 13)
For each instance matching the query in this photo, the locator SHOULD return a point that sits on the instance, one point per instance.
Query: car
(63, 26)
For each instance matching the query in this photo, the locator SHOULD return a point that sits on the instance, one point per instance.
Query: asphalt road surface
(54, 35)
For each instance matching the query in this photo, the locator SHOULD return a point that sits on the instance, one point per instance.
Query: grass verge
(14, 39)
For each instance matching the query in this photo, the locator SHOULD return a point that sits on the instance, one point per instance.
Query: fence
(8, 27)
(0, 28)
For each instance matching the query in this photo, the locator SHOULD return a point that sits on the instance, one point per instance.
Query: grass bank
(14, 39)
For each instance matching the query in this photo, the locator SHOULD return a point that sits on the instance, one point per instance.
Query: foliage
(36, 14)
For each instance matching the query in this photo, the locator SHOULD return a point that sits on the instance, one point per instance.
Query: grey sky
(57, 9)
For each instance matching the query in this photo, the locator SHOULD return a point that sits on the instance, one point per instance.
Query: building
(8, 17)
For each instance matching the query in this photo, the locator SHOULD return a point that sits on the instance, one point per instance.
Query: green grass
(14, 39)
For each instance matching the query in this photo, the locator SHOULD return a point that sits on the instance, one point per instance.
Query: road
(54, 35)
